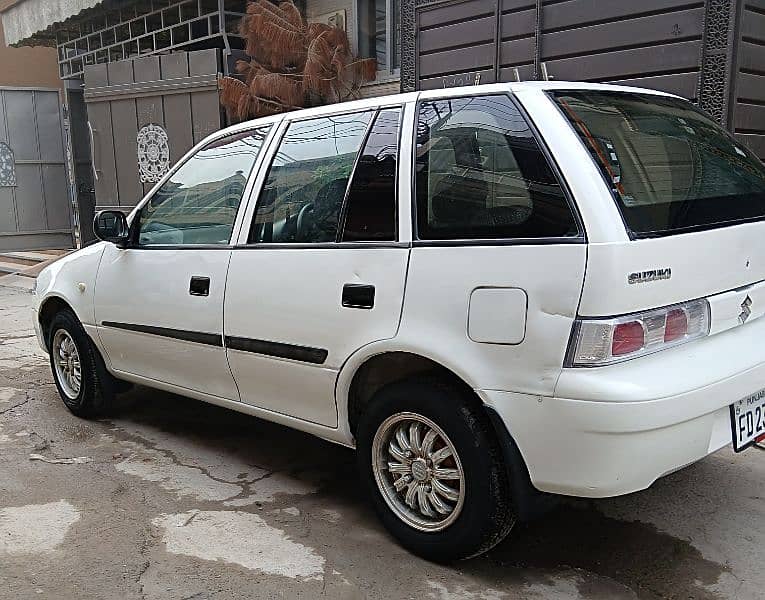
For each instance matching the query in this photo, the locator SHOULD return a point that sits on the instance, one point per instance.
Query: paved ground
(176, 499)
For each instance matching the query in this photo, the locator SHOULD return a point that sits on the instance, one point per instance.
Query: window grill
(144, 27)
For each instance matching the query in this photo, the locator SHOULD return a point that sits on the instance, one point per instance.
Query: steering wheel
(302, 219)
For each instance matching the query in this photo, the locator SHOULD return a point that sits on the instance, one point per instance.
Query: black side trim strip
(210, 339)
(315, 356)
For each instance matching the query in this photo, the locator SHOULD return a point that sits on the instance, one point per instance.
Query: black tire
(97, 387)
(487, 513)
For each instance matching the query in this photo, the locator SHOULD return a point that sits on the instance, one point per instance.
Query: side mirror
(111, 226)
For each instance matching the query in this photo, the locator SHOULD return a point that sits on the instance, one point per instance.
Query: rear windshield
(669, 166)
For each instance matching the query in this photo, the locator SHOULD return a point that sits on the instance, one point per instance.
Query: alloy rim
(418, 471)
(66, 360)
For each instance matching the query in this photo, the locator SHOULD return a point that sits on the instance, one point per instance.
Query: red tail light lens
(628, 338)
(677, 325)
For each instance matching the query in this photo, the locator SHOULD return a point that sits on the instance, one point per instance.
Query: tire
(483, 513)
(96, 389)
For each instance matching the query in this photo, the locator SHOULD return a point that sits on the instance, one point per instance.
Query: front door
(322, 273)
(159, 302)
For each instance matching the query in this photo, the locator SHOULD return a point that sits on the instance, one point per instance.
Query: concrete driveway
(172, 498)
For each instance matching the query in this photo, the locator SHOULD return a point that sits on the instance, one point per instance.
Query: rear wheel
(78, 369)
(434, 470)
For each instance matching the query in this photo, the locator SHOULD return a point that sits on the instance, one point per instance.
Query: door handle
(199, 286)
(358, 295)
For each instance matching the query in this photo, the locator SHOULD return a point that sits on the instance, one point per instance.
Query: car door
(497, 234)
(320, 272)
(159, 301)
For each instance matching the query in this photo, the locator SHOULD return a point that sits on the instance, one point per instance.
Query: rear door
(498, 254)
(320, 271)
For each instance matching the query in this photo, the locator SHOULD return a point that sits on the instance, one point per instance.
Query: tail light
(598, 342)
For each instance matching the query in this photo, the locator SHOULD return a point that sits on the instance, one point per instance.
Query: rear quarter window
(480, 174)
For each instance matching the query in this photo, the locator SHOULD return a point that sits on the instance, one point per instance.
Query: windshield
(669, 166)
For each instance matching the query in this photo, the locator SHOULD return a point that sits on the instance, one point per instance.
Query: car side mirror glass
(111, 226)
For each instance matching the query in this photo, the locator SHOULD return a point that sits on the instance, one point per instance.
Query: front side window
(669, 166)
(198, 204)
(480, 174)
(379, 33)
(306, 184)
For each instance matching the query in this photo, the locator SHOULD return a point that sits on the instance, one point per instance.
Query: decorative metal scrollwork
(153, 153)
(408, 42)
(7, 166)
(717, 59)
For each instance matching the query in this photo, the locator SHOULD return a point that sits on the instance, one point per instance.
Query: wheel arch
(49, 308)
(361, 378)
(383, 368)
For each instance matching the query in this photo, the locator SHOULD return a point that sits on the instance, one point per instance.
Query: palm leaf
(292, 63)
(279, 87)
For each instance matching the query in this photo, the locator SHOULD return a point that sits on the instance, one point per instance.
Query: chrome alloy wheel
(66, 360)
(418, 471)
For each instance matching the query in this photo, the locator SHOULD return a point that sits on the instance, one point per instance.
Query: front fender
(73, 280)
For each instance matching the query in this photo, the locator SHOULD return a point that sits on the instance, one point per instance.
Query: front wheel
(78, 370)
(434, 470)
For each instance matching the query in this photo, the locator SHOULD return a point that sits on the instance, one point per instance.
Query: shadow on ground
(576, 536)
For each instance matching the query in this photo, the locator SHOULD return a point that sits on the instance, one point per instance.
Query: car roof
(400, 99)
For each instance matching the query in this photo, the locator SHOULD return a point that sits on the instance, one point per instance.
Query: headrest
(458, 199)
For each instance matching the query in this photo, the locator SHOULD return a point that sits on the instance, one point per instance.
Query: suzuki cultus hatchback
(495, 294)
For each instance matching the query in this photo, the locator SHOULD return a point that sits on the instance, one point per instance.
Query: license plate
(747, 420)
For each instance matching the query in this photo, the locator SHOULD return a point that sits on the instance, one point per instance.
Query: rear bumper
(619, 428)
(600, 449)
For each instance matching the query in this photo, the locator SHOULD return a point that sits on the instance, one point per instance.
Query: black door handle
(358, 295)
(199, 286)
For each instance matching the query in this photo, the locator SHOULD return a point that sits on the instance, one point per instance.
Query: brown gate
(143, 115)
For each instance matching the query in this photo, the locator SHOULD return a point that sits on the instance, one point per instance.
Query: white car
(495, 294)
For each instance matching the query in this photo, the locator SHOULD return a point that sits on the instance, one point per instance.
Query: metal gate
(143, 115)
(35, 207)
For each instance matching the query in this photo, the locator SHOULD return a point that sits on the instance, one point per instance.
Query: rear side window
(669, 166)
(307, 181)
(370, 213)
(480, 174)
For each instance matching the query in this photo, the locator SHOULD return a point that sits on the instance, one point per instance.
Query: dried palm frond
(334, 36)
(247, 105)
(274, 24)
(278, 87)
(362, 70)
(231, 93)
(317, 75)
(274, 36)
(292, 14)
(292, 63)
(339, 61)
